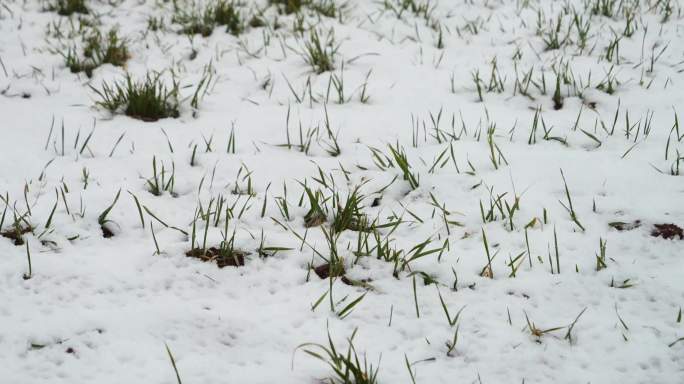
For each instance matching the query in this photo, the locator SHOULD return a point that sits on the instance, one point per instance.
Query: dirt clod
(323, 271)
(16, 234)
(106, 232)
(667, 231)
(235, 259)
(314, 220)
(625, 226)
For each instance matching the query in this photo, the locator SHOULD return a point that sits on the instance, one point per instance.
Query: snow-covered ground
(540, 147)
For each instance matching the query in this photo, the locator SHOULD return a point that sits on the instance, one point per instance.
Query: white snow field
(312, 191)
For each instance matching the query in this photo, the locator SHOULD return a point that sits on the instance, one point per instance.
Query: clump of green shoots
(327, 8)
(347, 368)
(195, 22)
(319, 52)
(147, 100)
(498, 203)
(244, 177)
(69, 7)
(155, 23)
(582, 26)
(334, 261)
(400, 158)
(316, 214)
(349, 215)
(203, 21)
(553, 40)
(98, 50)
(609, 83)
(417, 252)
(226, 13)
(288, 6)
(226, 254)
(495, 84)
(604, 8)
(161, 181)
(419, 8)
(19, 227)
(109, 49)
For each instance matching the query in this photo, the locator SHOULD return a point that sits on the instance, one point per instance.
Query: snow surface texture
(100, 310)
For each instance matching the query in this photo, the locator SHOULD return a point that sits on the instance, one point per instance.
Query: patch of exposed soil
(624, 226)
(667, 231)
(314, 220)
(106, 232)
(234, 259)
(323, 271)
(16, 234)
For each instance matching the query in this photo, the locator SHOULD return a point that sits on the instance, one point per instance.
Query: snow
(100, 310)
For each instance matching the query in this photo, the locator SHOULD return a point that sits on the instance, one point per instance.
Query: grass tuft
(148, 100)
(400, 158)
(203, 21)
(320, 53)
(347, 367)
(97, 50)
(69, 7)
